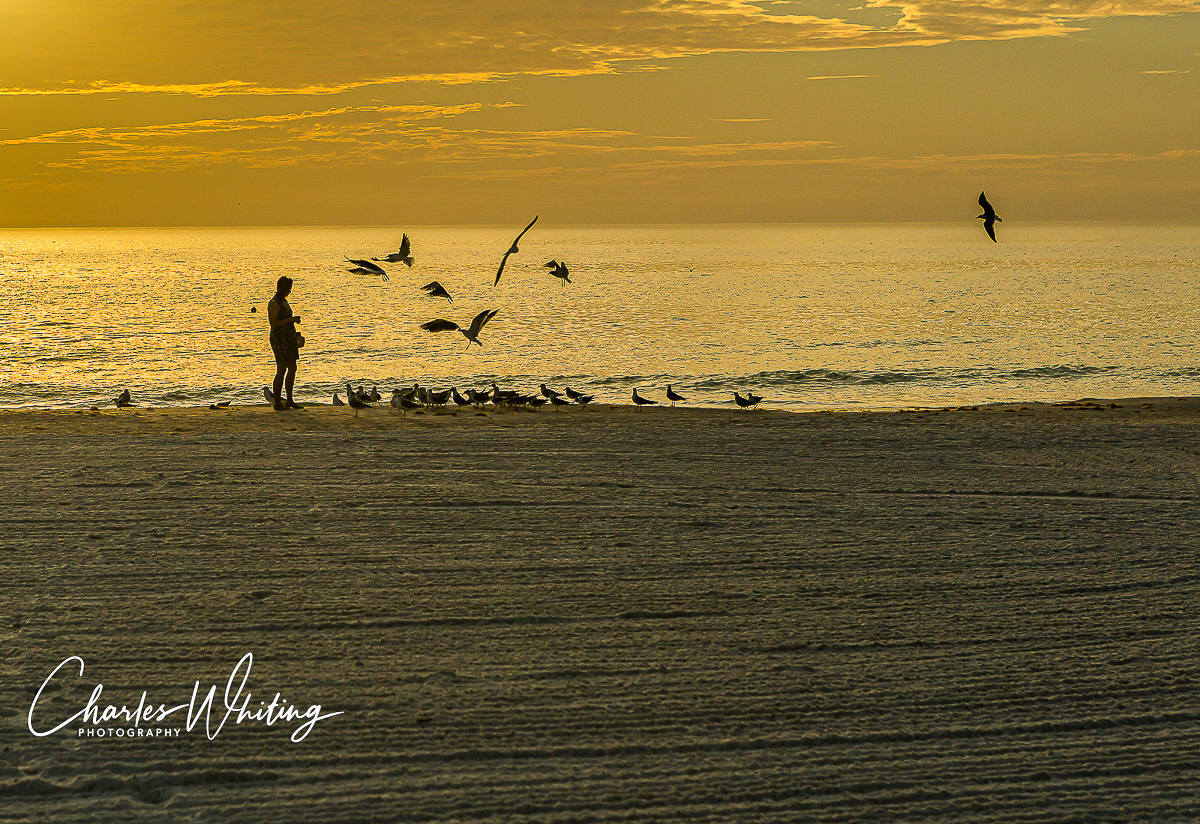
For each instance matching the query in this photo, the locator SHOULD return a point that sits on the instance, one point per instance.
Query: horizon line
(1034, 222)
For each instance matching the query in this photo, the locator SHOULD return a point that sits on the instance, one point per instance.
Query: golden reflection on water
(810, 316)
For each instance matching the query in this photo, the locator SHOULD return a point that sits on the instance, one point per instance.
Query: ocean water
(810, 317)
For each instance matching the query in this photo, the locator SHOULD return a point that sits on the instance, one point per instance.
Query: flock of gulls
(419, 398)
(424, 399)
(434, 289)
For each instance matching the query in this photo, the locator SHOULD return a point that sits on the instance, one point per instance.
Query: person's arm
(275, 319)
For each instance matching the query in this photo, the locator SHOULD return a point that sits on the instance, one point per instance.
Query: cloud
(659, 169)
(352, 135)
(837, 76)
(946, 20)
(433, 137)
(317, 47)
(136, 134)
(1166, 71)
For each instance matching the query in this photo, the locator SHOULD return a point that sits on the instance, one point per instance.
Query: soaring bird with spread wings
(436, 290)
(471, 333)
(403, 256)
(560, 271)
(512, 250)
(989, 218)
(366, 267)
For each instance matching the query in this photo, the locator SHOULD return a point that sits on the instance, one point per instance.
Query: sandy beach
(982, 614)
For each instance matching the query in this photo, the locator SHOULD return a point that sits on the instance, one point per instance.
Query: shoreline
(326, 417)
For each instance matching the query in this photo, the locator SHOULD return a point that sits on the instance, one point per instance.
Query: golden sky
(383, 112)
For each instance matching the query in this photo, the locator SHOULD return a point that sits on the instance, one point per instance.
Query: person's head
(283, 286)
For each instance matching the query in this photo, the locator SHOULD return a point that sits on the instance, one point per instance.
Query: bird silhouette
(471, 333)
(402, 256)
(402, 403)
(673, 396)
(436, 290)
(356, 401)
(746, 403)
(989, 217)
(512, 250)
(560, 271)
(338, 401)
(123, 400)
(640, 401)
(366, 267)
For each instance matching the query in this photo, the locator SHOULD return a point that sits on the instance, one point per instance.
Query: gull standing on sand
(560, 271)
(673, 396)
(512, 250)
(989, 218)
(471, 333)
(366, 267)
(548, 392)
(401, 256)
(403, 403)
(640, 401)
(745, 403)
(123, 400)
(338, 401)
(436, 290)
(269, 395)
(356, 401)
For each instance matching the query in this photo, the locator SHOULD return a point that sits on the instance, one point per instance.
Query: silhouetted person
(284, 343)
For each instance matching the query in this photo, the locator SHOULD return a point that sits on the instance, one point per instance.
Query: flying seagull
(560, 271)
(640, 401)
(402, 256)
(436, 290)
(471, 334)
(673, 396)
(989, 217)
(512, 250)
(366, 267)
